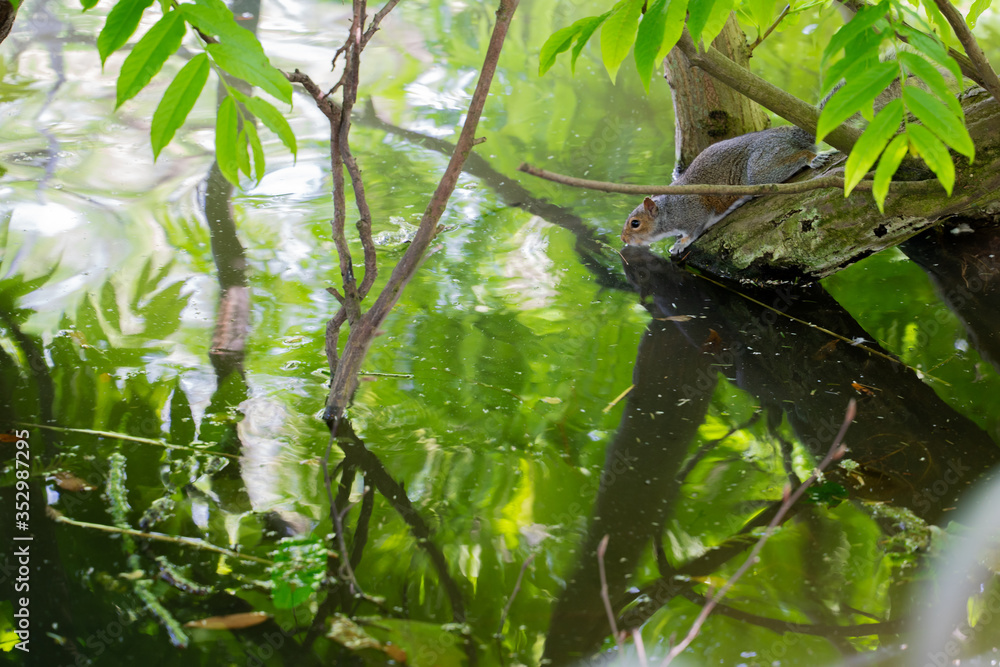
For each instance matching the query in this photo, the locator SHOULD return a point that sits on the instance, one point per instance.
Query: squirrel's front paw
(680, 244)
(824, 159)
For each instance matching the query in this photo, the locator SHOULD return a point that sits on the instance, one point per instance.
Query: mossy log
(814, 234)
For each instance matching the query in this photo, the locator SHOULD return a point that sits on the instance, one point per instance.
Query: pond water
(532, 393)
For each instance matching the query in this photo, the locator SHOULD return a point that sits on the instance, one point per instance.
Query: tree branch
(820, 183)
(345, 381)
(989, 77)
(765, 93)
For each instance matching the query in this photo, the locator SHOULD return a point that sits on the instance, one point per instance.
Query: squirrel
(769, 156)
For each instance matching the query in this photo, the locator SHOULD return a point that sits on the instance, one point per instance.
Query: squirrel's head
(642, 227)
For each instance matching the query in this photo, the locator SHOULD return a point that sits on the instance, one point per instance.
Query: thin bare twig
(797, 187)
(376, 20)
(990, 81)
(836, 451)
(345, 381)
(127, 438)
(514, 592)
(602, 548)
(770, 29)
(159, 537)
(820, 630)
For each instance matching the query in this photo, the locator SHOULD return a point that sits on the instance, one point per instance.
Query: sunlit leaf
(862, 21)
(649, 38)
(871, 143)
(243, 153)
(226, 135)
(698, 14)
(86, 4)
(273, 119)
(860, 54)
(618, 34)
(930, 111)
(717, 19)
(762, 12)
(589, 27)
(256, 148)
(558, 42)
(977, 9)
(931, 47)
(854, 96)
(214, 18)
(149, 54)
(676, 13)
(252, 67)
(178, 101)
(934, 153)
(887, 166)
(932, 78)
(121, 23)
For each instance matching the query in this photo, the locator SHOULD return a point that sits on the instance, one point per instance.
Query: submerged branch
(160, 537)
(823, 182)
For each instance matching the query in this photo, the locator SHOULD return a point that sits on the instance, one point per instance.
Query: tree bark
(705, 109)
(814, 234)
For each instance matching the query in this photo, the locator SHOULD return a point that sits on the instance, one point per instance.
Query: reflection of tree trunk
(232, 319)
(966, 272)
(638, 484)
(912, 449)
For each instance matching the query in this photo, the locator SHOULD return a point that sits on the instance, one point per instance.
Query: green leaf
(649, 38)
(589, 27)
(252, 67)
(618, 34)
(871, 143)
(676, 13)
(862, 21)
(149, 54)
(558, 42)
(931, 47)
(762, 12)
(938, 119)
(717, 19)
(699, 12)
(243, 152)
(273, 119)
(214, 18)
(258, 150)
(226, 135)
(977, 9)
(934, 153)
(87, 4)
(121, 23)
(856, 94)
(177, 102)
(859, 54)
(887, 166)
(932, 78)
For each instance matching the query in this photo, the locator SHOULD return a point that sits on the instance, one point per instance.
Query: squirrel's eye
(635, 223)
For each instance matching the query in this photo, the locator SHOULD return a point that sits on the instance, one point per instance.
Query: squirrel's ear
(649, 205)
